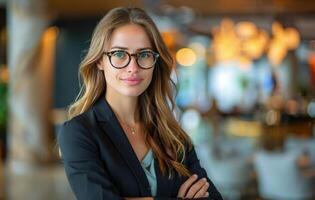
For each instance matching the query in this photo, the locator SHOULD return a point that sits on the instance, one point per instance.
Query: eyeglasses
(121, 58)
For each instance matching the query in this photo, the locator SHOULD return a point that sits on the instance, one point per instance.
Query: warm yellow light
(226, 47)
(277, 52)
(243, 128)
(226, 44)
(292, 38)
(277, 29)
(246, 29)
(227, 25)
(186, 57)
(245, 42)
(252, 48)
(169, 38)
(255, 46)
(50, 34)
(4, 74)
(283, 40)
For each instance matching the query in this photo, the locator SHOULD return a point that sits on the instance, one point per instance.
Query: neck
(125, 108)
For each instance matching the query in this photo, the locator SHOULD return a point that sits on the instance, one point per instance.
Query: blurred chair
(302, 145)
(228, 164)
(232, 176)
(228, 167)
(280, 178)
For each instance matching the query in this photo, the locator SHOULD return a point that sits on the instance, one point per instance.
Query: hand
(192, 189)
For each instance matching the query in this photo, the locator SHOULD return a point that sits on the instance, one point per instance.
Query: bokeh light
(186, 57)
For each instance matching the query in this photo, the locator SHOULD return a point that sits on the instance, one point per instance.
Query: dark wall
(72, 44)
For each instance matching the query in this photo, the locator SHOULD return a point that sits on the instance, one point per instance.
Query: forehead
(131, 36)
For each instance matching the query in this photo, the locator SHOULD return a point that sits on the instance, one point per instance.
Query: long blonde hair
(162, 132)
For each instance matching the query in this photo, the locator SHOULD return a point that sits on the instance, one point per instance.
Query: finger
(203, 191)
(186, 185)
(195, 188)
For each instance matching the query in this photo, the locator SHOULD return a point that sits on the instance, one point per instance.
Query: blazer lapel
(112, 128)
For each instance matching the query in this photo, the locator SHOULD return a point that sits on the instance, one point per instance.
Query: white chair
(303, 145)
(230, 174)
(279, 177)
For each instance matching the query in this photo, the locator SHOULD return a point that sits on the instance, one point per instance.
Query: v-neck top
(147, 164)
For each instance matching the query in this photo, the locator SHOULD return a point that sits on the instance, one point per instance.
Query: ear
(100, 64)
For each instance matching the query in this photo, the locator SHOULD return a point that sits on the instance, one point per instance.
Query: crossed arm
(192, 188)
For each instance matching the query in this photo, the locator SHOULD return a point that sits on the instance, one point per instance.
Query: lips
(132, 81)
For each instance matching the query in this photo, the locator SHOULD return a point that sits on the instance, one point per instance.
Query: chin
(134, 92)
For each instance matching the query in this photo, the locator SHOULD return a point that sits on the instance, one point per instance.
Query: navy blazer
(100, 163)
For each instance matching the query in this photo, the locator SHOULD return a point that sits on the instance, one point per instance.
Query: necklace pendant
(133, 131)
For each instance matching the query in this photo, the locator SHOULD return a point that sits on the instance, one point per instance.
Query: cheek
(149, 76)
(110, 74)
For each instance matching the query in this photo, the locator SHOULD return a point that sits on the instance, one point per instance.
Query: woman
(122, 141)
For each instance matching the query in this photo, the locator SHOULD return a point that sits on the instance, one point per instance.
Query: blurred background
(245, 76)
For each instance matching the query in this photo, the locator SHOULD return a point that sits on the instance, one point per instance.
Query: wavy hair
(162, 132)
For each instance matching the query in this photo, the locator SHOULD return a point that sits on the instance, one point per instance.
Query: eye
(119, 54)
(145, 54)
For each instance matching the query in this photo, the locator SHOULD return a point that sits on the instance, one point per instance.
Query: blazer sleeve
(194, 167)
(83, 166)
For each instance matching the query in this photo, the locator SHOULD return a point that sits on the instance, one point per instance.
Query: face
(131, 80)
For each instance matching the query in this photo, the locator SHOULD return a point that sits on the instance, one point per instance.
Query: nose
(133, 65)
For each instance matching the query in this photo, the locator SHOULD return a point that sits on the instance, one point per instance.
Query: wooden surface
(204, 7)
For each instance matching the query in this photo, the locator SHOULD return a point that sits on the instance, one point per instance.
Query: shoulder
(75, 138)
(77, 128)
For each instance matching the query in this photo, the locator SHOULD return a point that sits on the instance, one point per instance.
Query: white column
(31, 48)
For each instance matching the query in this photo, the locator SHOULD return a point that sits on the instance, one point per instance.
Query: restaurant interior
(245, 90)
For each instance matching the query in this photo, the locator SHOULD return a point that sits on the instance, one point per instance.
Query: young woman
(122, 141)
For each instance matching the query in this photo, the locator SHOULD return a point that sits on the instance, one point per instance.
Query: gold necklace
(132, 129)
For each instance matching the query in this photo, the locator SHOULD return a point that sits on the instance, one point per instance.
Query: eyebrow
(125, 48)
